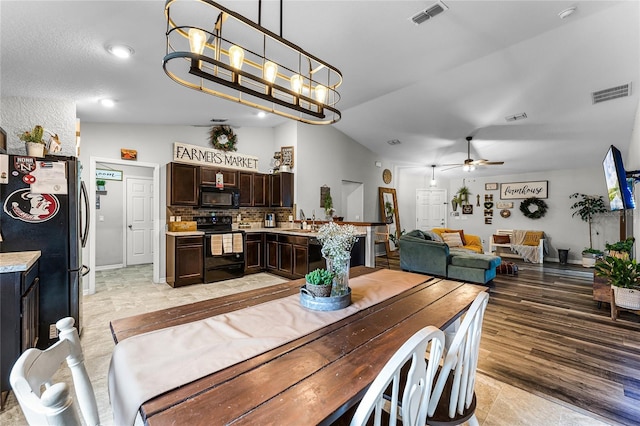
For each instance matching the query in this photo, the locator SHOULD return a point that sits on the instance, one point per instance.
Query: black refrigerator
(44, 207)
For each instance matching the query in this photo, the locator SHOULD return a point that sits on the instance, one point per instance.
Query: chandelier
(220, 52)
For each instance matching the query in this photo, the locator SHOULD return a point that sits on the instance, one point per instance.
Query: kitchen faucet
(313, 219)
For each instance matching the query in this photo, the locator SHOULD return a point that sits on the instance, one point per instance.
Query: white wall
(57, 116)
(326, 156)
(562, 230)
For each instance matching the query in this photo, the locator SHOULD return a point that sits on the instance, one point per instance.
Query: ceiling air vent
(425, 15)
(516, 117)
(394, 142)
(611, 93)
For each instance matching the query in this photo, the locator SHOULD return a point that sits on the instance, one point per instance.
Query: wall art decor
(467, 209)
(128, 154)
(287, 156)
(522, 190)
(504, 204)
(491, 186)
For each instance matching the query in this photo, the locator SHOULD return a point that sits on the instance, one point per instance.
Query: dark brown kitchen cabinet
(185, 260)
(271, 246)
(208, 176)
(19, 305)
(254, 254)
(300, 260)
(281, 190)
(253, 189)
(183, 184)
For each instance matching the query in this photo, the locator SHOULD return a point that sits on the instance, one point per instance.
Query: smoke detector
(430, 12)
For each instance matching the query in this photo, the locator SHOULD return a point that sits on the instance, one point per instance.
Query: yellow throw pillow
(452, 239)
(532, 238)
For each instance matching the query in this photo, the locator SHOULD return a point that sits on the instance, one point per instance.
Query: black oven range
(223, 248)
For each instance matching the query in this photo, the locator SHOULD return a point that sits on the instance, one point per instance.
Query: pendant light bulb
(296, 83)
(321, 93)
(236, 57)
(433, 175)
(197, 40)
(269, 71)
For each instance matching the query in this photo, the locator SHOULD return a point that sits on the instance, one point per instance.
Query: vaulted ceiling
(428, 86)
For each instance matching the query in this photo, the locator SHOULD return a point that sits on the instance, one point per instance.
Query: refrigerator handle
(85, 232)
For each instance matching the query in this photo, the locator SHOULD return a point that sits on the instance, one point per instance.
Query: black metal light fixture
(433, 176)
(240, 65)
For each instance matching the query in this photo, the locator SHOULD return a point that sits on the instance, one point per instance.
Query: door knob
(130, 227)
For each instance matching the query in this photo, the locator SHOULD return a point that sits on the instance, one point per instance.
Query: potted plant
(33, 141)
(621, 249)
(319, 282)
(100, 184)
(624, 277)
(587, 207)
(463, 195)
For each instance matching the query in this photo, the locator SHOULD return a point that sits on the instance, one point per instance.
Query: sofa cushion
(532, 238)
(433, 236)
(452, 239)
(479, 261)
(501, 239)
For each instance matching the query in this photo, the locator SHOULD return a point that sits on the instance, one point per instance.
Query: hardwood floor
(543, 333)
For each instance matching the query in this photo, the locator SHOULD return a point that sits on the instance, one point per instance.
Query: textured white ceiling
(428, 86)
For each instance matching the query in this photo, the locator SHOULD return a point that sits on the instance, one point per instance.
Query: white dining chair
(412, 410)
(454, 400)
(46, 403)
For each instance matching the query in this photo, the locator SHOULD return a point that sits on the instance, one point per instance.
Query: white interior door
(139, 224)
(431, 208)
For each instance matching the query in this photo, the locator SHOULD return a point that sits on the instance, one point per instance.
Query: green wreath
(223, 138)
(536, 214)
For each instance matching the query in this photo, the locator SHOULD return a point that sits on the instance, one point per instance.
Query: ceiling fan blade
(492, 163)
(453, 166)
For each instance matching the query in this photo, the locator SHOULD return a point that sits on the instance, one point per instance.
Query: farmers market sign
(193, 154)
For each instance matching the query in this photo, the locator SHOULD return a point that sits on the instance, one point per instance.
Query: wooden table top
(311, 380)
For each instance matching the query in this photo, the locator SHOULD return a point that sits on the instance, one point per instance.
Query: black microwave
(212, 197)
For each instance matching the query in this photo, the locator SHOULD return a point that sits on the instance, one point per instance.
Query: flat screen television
(618, 186)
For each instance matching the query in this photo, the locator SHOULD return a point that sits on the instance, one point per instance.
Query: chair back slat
(34, 370)
(417, 389)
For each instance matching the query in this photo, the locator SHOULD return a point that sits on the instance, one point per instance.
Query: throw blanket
(528, 253)
(150, 364)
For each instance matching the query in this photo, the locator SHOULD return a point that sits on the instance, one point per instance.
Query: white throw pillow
(452, 239)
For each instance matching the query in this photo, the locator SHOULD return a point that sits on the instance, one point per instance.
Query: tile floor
(125, 292)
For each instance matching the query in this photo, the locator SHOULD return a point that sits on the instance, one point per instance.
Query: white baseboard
(107, 267)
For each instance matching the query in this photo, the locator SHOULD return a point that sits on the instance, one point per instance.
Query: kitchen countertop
(183, 233)
(18, 261)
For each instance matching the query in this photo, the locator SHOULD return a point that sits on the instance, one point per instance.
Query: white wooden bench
(499, 249)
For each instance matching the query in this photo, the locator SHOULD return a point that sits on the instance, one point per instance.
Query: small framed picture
(491, 186)
(128, 154)
(467, 209)
(504, 204)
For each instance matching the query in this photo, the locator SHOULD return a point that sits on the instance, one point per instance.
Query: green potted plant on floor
(624, 277)
(319, 282)
(389, 211)
(100, 183)
(587, 207)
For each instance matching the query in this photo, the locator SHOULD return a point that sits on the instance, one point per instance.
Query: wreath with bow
(223, 138)
(536, 214)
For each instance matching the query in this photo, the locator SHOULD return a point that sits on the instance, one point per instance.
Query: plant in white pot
(587, 207)
(34, 141)
(624, 277)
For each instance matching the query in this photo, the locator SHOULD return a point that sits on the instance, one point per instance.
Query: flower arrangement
(337, 240)
(34, 136)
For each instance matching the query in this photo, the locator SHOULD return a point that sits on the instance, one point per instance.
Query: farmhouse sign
(192, 154)
(520, 190)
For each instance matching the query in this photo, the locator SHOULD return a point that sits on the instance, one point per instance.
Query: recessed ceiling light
(108, 103)
(567, 12)
(262, 114)
(120, 51)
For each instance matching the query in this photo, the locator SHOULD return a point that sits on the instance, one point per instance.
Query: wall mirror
(389, 212)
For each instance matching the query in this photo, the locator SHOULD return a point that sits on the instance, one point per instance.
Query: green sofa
(422, 252)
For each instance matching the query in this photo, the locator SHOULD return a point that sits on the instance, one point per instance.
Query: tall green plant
(623, 273)
(587, 207)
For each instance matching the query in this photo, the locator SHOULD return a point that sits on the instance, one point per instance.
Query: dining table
(312, 379)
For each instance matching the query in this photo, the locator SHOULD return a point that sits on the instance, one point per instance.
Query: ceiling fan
(470, 164)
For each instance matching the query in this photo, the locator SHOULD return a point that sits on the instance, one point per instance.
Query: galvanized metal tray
(332, 303)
